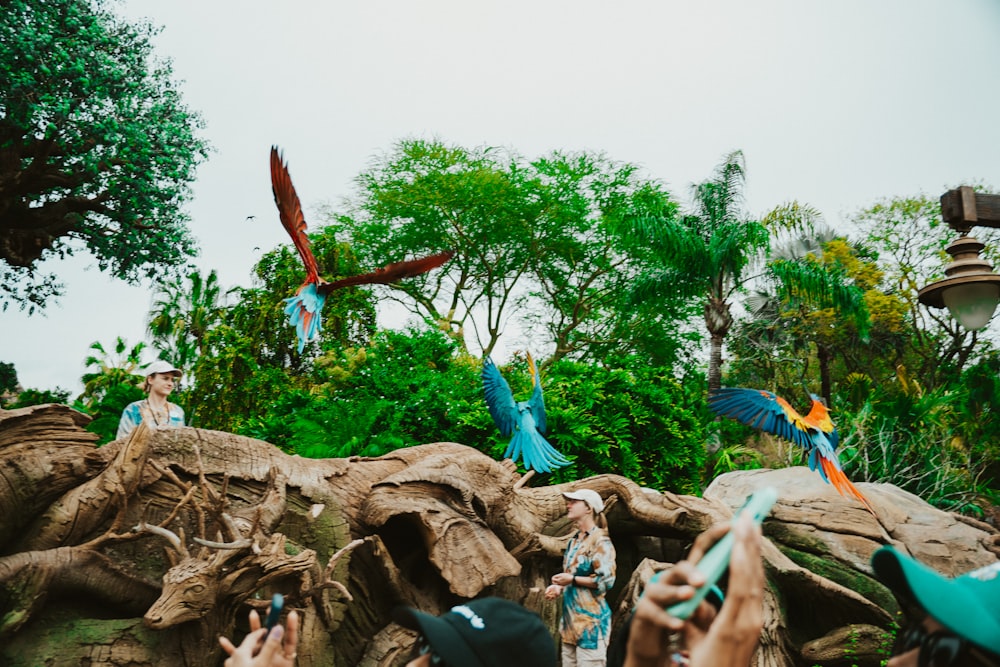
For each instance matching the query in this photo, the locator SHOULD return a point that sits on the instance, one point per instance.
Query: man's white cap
(592, 498)
(162, 367)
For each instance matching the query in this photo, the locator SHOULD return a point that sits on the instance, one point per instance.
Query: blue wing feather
(761, 410)
(499, 399)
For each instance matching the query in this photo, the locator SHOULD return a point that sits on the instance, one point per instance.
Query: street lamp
(971, 290)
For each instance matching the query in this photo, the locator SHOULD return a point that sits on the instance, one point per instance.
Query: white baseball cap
(162, 367)
(592, 498)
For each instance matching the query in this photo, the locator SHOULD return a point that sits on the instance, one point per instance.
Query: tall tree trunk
(825, 355)
(718, 320)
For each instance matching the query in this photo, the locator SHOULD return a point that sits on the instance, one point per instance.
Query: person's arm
(603, 577)
(279, 650)
(727, 638)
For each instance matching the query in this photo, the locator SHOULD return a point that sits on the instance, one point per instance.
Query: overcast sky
(834, 104)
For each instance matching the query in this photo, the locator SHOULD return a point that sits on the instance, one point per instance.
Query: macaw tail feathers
(535, 452)
(835, 476)
(303, 312)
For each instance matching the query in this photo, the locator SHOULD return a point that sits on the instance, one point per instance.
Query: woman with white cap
(588, 573)
(155, 410)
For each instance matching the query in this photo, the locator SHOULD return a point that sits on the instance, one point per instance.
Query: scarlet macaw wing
(761, 410)
(499, 398)
(537, 402)
(819, 417)
(391, 272)
(290, 212)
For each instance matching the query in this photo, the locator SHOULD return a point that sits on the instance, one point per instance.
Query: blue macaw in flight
(524, 420)
(813, 432)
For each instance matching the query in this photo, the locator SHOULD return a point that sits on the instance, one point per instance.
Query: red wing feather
(290, 211)
(391, 272)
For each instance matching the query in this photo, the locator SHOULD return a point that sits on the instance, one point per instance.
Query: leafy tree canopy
(97, 150)
(538, 243)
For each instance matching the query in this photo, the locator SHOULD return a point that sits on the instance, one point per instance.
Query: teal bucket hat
(968, 605)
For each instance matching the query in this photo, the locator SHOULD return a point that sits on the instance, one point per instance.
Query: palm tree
(182, 314)
(110, 369)
(800, 281)
(705, 253)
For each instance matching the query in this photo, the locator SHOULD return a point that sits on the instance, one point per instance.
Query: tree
(535, 242)
(121, 365)
(182, 315)
(8, 378)
(585, 266)
(426, 197)
(704, 254)
(251, 356)
(97, 150)
(811, 298)
(909, 238)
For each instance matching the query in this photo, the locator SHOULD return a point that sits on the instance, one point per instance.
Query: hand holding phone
(277, 602)
(715, 562)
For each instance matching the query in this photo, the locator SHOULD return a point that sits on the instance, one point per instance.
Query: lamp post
(971, 290)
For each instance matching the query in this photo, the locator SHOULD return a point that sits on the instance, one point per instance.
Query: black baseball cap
(489, 632)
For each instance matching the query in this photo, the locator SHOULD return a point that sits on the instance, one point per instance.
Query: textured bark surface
(346, 540)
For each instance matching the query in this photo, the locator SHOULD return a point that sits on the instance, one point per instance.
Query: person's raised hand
(726, 637)
(279, 649)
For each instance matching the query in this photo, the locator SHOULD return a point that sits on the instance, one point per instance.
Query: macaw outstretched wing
(537, 402)
(290, 212)
(499, 398)
(390, 273)
(762, 410)
(815, 432)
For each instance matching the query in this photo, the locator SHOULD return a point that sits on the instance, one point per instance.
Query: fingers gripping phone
(716, 560)
(277, 602)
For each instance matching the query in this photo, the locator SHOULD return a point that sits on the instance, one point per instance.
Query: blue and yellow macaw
(814, 432)
(303, 309)
(525, 420)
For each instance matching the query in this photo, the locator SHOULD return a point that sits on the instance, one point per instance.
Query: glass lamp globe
(972, 304)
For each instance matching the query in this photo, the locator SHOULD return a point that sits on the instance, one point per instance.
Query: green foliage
(636, 421)
(404, 389)
(107, 412)
(702, 255)
(38, 397)
(94, 133)
(928, 441)
(250, 361)
(121, 365)
(182, 314)
(415, 387)
(540, 242)
(8, 377)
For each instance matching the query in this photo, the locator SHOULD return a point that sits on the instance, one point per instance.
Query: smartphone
(277, 602)
(716, 560)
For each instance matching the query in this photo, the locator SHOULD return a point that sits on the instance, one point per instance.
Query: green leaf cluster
(97, 149)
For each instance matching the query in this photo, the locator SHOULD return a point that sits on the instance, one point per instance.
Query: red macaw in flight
(303, 309)
(814, 432)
